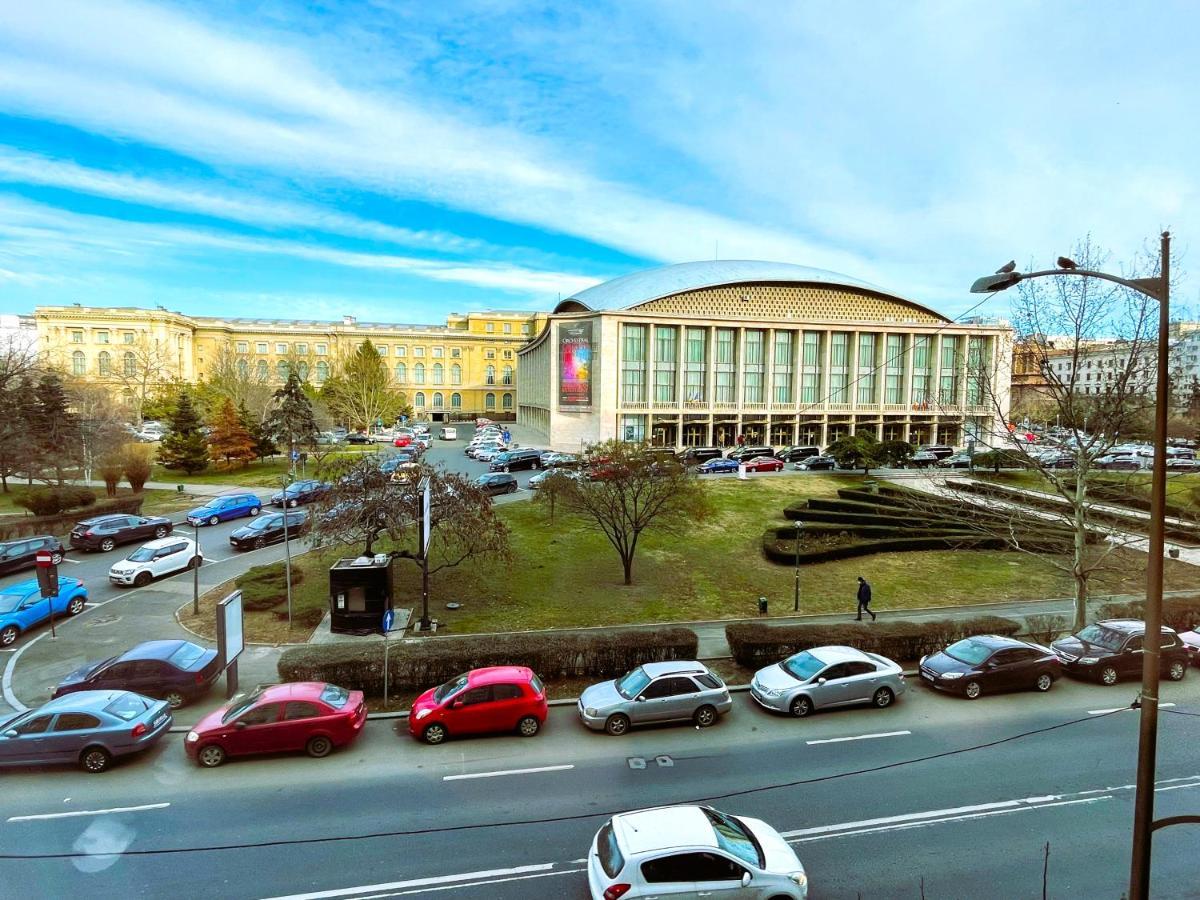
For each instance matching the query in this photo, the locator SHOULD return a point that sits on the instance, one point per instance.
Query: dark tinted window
(261, 715)
(36, 725)
(660, 688)
(1134, 643)
(715, 867)
(76, 722)
(841, 670)
(607, 851)
(684, 867)
(301, 709)
(859, 668)
(683, 685)
(1168, 640)
(708, 681)
(476, 695)
(506, 691)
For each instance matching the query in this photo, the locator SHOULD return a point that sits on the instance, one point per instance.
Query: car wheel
(617, 724)
(195, 562)
(883, 698)
(174, 699)
(705, 716)
(1044, 682)
(1177, 671)
(1108, 675)
(972, 689)
(75, 607)
(255, 510)
(94, 760)
(318, 746)
(142, 579)
(214, 520)
(293, 503)
(512, 489)
(107, 544)
(161, 531)
(801, 707)
(259, 543)
(507, 469)
(435, 733)
(8, 634)
(528, 726)
(56, 557)
(210, 756)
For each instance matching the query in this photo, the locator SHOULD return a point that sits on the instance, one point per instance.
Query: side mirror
(11, 733)
(745, 879)
(822, 680)
(641, 698)
(455, 704)
(239, 724)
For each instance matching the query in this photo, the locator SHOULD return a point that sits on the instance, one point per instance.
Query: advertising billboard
(575, 364)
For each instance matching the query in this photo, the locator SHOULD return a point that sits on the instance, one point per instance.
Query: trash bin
(762, 606)
(1173, 552)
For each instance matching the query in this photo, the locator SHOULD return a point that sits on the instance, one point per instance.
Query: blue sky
(398, 161)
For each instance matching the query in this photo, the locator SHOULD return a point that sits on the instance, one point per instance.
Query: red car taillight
(199, 678)
(617, 890)
(139, 729)
(89, 533)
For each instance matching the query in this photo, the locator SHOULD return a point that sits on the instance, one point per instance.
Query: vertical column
(823, 377)
(852, 376)
(710, 365)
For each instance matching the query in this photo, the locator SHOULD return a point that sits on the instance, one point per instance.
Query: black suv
(813, 463)
(1111, 650)
(515, 459)
(797, 453)
(749, 452)
(941, 451)
(497, 483)
(105, 532)
(21, 554)
(694, 455)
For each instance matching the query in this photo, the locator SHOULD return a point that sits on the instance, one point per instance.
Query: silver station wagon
(656, 692)
(824, 677)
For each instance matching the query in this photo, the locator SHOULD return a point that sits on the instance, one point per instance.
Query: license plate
(160, 720)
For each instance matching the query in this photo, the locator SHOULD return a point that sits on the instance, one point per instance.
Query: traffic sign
(44, 559)
(295, 455)
(389, 617)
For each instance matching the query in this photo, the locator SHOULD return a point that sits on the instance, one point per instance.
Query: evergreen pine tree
(184, 446)
(230, 441)
(55, 429)
(292, 423)
(263, 445)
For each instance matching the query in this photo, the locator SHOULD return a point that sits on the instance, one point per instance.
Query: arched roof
(641, 287)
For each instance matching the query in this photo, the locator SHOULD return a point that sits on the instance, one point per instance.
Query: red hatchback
(306, 715)
(497, 699)
(402, 441)
(764, 464)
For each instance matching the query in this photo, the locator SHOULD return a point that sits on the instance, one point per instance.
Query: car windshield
(239, 706)
(1101, 637)
(335, 696)
(128, 707)
(633, 683)
(142, 554)
(450, 688)
(9, 601)
(802, 666)
(969, 652)
(186, 656)
(733, 837)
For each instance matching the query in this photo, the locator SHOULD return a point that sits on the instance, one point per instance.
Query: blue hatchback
(717, 465)
(22, 605)
(224, 507)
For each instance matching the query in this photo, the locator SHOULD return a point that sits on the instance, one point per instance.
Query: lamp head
(989, 284)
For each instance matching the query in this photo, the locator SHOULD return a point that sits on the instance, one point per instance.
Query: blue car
(224, 507)
(717, 465)
(22, 605)
(174, 670)
(90, 728)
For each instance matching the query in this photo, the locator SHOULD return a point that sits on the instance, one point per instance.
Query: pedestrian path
(201, 490)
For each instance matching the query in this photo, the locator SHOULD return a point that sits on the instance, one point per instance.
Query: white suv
(157, 558)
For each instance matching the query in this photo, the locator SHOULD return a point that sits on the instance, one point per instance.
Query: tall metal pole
(196, 574)
(287, 552)
(1143, 803)
(796, 604)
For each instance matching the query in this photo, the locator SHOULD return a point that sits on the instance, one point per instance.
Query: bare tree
(361, 393)
(101, 423)
(237, 379)
(141, 368)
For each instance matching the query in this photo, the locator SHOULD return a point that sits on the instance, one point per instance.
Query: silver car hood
(602, 696)
(775, 677)
(778, 856)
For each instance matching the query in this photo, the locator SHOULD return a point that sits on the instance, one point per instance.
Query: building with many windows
(464, 368)
(699, 353)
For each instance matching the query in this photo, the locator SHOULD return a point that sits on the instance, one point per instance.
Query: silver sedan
(656, 692)
(825, 677)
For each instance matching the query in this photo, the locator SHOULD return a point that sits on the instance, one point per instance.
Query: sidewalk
(200, 490)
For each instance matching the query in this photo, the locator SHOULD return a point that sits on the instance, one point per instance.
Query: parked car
(692, 851)
(22, 605)
(1182, 464)
(402, 440)
(510, 460)
(106, 532)
(268, 529)
(89, 728)
(404, 472)
(941, 451)
(717, 466)
(797, 453)
(329, 438)
(22, 554)
(174, 670)
(695, 455)
(448, 433)
(306, 715)
(300, 492)
(492, 447)
(824, 677)
(420, 428)
(357, 437)
(988, 663)
(764, 464)
(382, 436)
(560, 461)
(487, 453)
(815, 463)
(749, 452)
(655, 692)
(955, 461)
(1191, 643)
(538, 478)
(922, 459)
(1118, 463)
(1110, 650)
(223, 508)
(156, 559)
(498, 483)
(494, 700)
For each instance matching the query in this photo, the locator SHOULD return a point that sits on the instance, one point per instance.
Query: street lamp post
(287, 551)
(196, 572)
(799, 529)
(1157, 288)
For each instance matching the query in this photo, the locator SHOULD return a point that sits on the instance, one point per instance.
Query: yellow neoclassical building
(463, 368)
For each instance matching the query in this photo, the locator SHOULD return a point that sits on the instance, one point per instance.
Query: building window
(302, 349)
(281, 369)
(418, 351)
(866, 369)
(456, 401)
(243, 347)
(381, 349)
(456, 353)
(281, 349)
(322, 349)
(101, 337)
(260, 347)
(419, 400)
(105, 362)
(490, 327)
(977, 366)
(839, 366)
(755, 366)
(921, 370)
(419, 373)
(508, 327)
(401, 351)
(506, 375)
(506, 401)
(489, 401)
(948, 387)
(243, 368)
(893, 389)
(401, 373)
(525, 328)
(127, 337)
(633, 363)
(436, 352)
(437, 373)
(129, 364)
(633, 428)
(78, 363)
(76, 337)
(437, 400)
(781, 391)
(507, 354)
(489, 354)
(490, 377)
(456, 374)
(666, 353)
(322, 372)
(302, 370)
(261, 370)
(694, 365)
(725, 386)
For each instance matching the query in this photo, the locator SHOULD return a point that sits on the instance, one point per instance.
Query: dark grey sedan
(89, 728)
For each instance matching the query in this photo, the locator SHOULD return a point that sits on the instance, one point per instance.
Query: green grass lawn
(1183, 488)
(157, 503)
(267, 473)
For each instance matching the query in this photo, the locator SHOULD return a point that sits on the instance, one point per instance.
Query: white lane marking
(860, 737)
(87, 812)
(454, 887)
(1175, 787)
(1104, 712)
(73, 562)
(888, 820)
(419, 882)
(506, 772)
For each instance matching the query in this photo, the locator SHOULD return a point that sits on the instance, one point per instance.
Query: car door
(27, 741)
(720, 877)
(117, 676)
(258, 730)
(33, 609)
(471, 710)
(70, 733)
(656, 703)
(671, 875)
(829, 688)
(300, 717)
(508, 704)
(1129, 661)
(150, 677)
(861, 680)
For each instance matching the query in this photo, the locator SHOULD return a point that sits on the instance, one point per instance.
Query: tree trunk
(1078, 570)
(627, 562)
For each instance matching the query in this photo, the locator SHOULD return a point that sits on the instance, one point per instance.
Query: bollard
(762, 606)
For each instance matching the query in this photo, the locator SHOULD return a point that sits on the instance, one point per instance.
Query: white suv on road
(155, 559)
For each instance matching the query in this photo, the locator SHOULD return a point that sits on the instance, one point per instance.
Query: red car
(497, 699)
(764, 464)
(307, 715)
(402, 440)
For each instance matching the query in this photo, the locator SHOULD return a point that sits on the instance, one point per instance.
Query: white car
(692, 851)
(448, 434)
(488, 452)
(155, 559)
(383, 436)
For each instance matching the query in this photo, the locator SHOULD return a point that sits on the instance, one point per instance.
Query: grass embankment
(564, 574)
(265, 473)
(154, 503)
(1183, 488)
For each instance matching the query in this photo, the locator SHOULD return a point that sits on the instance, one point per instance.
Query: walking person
(864, 599)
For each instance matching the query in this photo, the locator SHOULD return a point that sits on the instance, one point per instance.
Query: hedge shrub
(60, 524)
(50, 501)
(423, 663)
(776, 552)
(263, 587)
(757, 644)
(1180, 613)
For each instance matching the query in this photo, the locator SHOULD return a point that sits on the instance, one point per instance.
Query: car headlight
(951, 675)
(799, 878)
(1088, 660)
(422, 713)
(192, 737)
(591, 711)
(768, 692)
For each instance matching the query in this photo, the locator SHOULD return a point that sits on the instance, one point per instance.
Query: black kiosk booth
(360, 591)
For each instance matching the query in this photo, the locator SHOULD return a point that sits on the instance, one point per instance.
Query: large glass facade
(633, 363)
(893, 367)
(810, 374)
(754, 370)
(866, 370)
(948, 385)
(839, 367)
(922, 364)
(725, 389)
(977, 366)
(666, 359)
(781, 371)
(695, 365)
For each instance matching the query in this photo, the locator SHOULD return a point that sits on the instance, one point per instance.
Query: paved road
(874, 802)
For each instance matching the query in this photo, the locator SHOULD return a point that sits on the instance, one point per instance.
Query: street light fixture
(1157, 288)
(799, 530)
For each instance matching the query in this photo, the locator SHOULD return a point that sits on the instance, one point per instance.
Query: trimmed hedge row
(757, 644)
(420, 664)
(63, 522)
(855, 518)
(776, 553)
(1180, 613)
(50, 501)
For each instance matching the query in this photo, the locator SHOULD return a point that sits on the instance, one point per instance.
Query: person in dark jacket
(864, 599)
